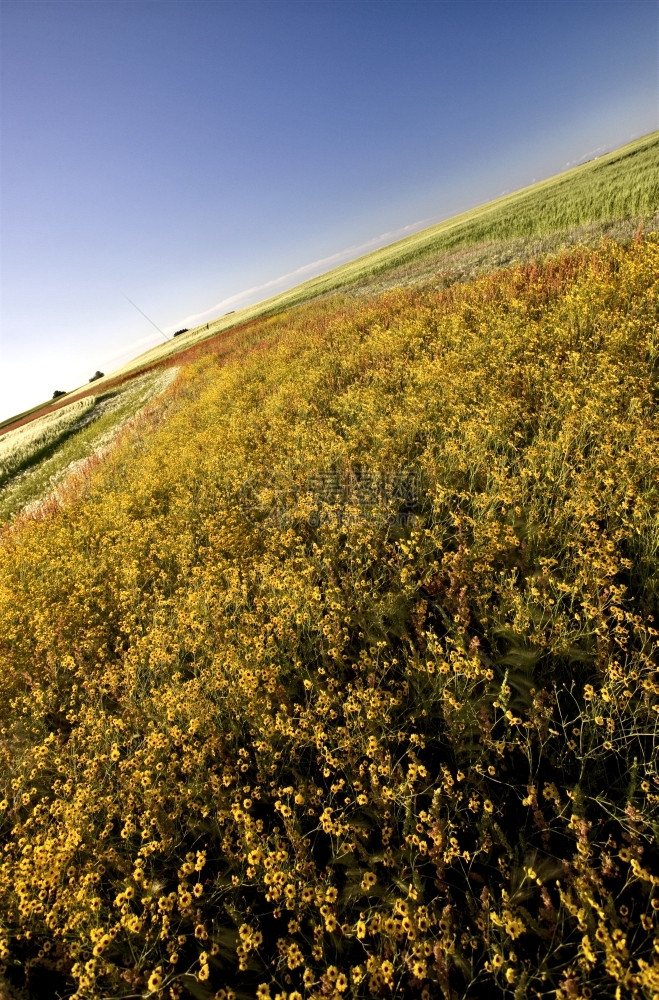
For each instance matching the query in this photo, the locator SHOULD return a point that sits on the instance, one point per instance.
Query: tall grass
(26, 445)
(36, 464)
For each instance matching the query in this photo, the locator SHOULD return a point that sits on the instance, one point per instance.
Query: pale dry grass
(43, 479)
(21, 447)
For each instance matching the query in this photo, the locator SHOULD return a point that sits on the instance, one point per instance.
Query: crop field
(337, 677)
(37, 456)
(26, 445)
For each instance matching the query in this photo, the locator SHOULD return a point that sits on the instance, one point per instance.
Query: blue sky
(190, 155)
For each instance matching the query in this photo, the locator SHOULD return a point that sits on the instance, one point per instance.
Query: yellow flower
(387, 971)
(368, 880)
(419, 969)
(587, 950)
(155, 980)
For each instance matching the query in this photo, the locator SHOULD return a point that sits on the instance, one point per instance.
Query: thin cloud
(324, 263)
(587, 156)
(134, 347)
(151, 339)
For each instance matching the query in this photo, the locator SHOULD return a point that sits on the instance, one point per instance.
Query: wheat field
(26, 444)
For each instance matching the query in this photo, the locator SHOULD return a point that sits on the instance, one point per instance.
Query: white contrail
(323, 262)
(145, 316)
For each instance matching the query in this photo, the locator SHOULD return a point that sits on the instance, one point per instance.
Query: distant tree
(58, 392)
(96, 375)
(179, 332)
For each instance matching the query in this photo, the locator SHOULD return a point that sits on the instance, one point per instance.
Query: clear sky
(185, 153)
